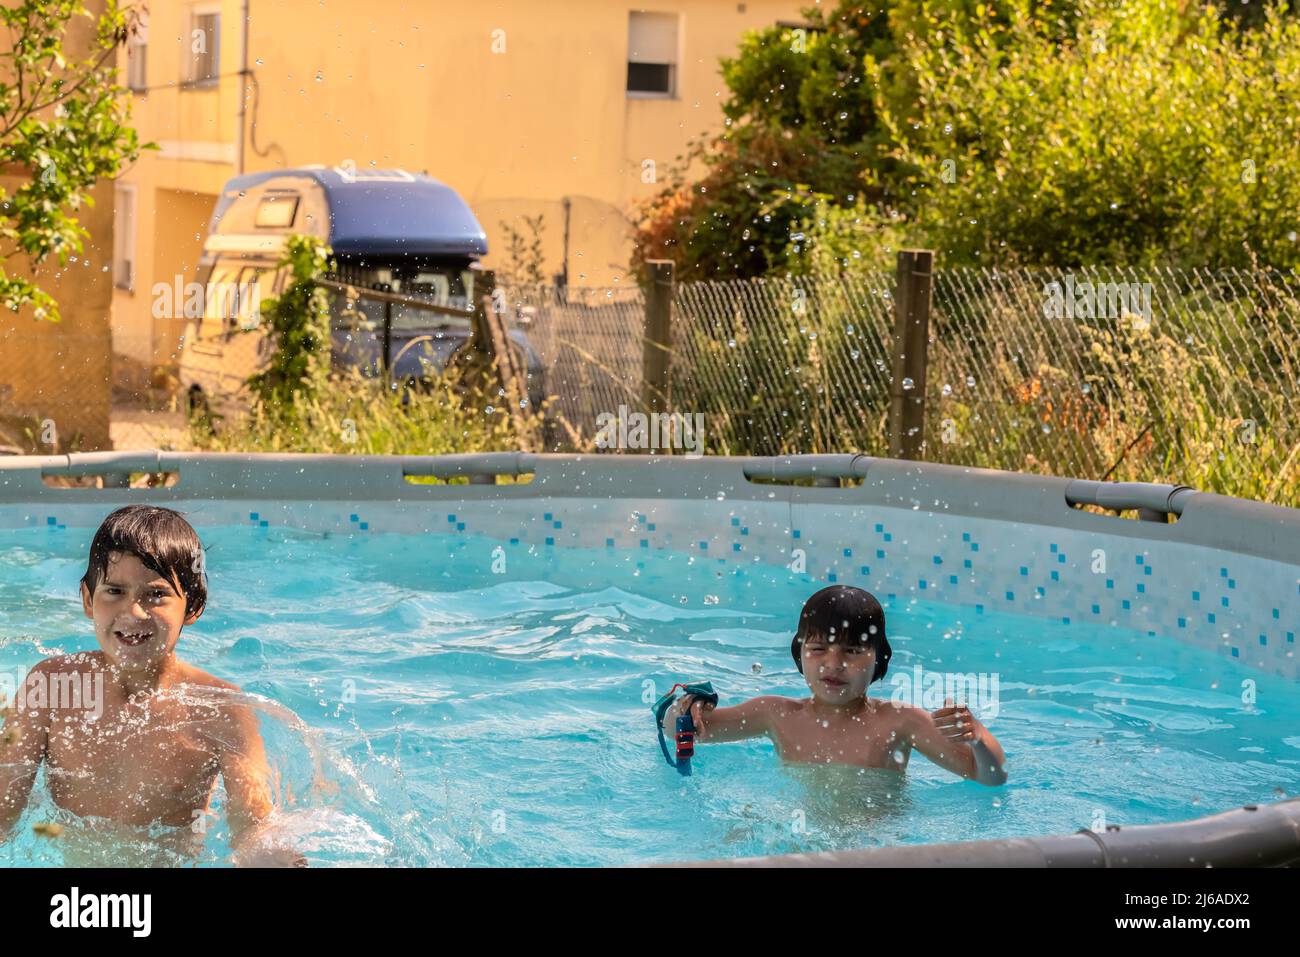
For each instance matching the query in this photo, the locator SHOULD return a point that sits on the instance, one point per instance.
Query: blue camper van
(404, 236)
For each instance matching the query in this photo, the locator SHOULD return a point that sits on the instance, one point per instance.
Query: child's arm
(957, 741)
(747, 720)
(247, 776)
(22, 748)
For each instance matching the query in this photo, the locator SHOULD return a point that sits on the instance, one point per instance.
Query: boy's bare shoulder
(232, 710)
(904, 717)
(74, 663)
(777, 704)
(191, 675)
(228, 697)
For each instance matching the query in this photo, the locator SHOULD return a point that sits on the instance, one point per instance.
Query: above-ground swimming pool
(463, 674)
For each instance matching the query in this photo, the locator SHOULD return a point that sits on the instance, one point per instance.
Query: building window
(204, 57)
(124, 237)
(136, 57)
(652, 54)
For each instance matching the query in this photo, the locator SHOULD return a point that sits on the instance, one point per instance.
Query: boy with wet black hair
(841, 648)
(148, 749)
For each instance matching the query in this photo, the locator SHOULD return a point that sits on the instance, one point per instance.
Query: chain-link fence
(785, 365)
(774, 365)
(589, 346)
(1138, 374)
(1134, 374)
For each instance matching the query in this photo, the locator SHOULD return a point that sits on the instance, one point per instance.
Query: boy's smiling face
(837, 671)
(138, 613)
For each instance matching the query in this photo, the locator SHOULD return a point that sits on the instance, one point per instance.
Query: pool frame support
(1252, 836)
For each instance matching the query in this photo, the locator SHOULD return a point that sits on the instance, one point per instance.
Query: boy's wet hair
(847, 614)
(163, 541)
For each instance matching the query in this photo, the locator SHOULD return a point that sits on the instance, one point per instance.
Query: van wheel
(197, 405)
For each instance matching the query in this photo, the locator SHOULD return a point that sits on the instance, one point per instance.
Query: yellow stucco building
(56, 377)
(565, 108)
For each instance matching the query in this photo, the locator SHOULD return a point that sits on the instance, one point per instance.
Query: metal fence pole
(388, 342)
(910, 347)
(656, 346)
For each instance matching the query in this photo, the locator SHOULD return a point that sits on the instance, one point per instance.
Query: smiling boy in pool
(840, 648)
(145, 747)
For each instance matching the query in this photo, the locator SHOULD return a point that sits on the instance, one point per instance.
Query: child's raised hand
(678, 708)
(956, 722)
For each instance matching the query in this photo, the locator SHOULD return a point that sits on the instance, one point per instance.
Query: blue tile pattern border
(1242, 607)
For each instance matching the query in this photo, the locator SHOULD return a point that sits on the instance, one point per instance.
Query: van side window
(232, 301)
(256, 285)
(277, 210)
(215, 321)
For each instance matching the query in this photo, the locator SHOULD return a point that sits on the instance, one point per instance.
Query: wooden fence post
(910, 348)
(490, 317)
(656, 354)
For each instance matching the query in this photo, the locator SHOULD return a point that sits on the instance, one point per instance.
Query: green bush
(299, 322)
(1152, 133)
(799, 126)
(998, 132)
(357, 415)
(64, 119)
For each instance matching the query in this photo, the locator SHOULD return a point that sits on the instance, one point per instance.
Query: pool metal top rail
(824, 470)
(1203, 518)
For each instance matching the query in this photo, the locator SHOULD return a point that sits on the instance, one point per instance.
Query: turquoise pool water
(439, 701)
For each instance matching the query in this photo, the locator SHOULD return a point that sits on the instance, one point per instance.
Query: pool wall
(1225, 576)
